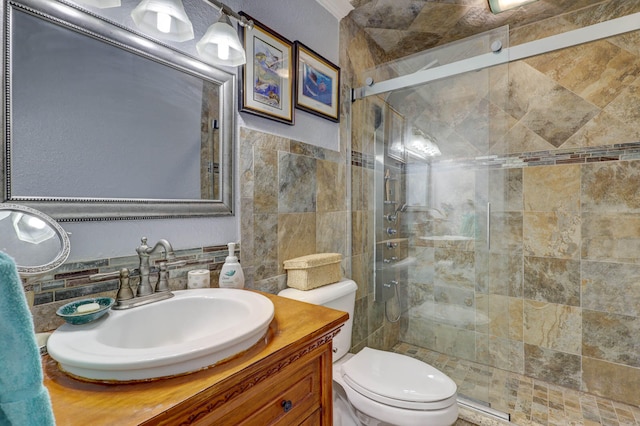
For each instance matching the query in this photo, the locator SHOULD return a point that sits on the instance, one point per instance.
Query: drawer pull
(286, 405)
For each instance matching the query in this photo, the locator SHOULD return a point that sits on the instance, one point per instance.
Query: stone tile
(331, 232)
(360, 321)
(552, 280)
(246, 231)
(554, 234)
(331, 186)
(265, 186)
(558, 115)
(297, 183)
(611, 188)
(498, 313)
(553, 326)
(506, 232)
(265, 228)
(505, 274)
(611, 287)
(245, 165)
(613, 380)
(625, 106)
(608, 337)
(552, 188)
(506, 190)
(612, 237)
(604, 129)
(296, 236)
(520, 139)
(527, 87)
(454, 341)
(357, 188)
(516, 319)
(422, 271)
(596, 71)
(552, 366)
(454, 268)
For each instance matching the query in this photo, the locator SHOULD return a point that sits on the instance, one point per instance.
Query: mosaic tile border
(72, 280)
(583, 155)
(368, 161)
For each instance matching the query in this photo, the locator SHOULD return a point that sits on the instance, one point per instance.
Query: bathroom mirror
(37, 243)
(103, 123)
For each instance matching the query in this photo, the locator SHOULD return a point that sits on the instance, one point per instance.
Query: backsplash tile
(71, 280)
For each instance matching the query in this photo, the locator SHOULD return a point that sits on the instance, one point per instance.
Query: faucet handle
(163, 274)
(124, 289)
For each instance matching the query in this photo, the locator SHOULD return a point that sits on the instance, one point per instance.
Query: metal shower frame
(505, 55)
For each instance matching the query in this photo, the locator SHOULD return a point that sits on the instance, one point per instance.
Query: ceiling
(403, 27)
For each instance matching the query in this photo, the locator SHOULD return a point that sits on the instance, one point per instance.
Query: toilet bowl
(375, 387)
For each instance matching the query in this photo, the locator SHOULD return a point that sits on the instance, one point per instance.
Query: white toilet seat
(398, 380)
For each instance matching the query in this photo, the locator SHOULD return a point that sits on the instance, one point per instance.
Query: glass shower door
(434, 197)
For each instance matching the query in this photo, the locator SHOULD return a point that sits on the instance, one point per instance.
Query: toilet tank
(340, 296)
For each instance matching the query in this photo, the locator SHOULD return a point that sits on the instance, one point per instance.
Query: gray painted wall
(306, 21)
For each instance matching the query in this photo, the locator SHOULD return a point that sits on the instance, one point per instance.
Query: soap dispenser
(231, 275)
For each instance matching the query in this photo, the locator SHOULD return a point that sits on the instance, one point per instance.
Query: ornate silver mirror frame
(63, 208)
(37, 243)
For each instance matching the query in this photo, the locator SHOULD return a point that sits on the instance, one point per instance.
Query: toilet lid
(398, 380)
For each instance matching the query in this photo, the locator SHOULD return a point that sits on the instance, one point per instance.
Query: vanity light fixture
(167, 20)
(220, 45)
(164, 19)
(498, 6)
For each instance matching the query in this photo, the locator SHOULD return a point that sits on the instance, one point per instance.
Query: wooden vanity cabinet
(293, 390)
(284, 380)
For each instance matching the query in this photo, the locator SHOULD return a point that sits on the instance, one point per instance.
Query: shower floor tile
(530, 402)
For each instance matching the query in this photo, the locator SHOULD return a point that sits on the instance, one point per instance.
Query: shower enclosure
(481, 191)
(432, 204)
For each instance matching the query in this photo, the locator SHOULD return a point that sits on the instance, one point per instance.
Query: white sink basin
(193, 330)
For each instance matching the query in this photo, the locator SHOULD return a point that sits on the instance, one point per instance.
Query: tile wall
(559, 287)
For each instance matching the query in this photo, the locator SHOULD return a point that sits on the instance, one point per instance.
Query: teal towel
(24, 401)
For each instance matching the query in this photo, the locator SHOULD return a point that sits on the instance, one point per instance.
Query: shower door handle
(488, 226)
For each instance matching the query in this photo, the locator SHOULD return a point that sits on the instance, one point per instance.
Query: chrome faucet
(144, 252)
(145, 293)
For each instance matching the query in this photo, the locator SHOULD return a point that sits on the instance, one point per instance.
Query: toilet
(374, 387)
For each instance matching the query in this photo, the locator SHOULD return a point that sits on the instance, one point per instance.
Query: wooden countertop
(80, 403)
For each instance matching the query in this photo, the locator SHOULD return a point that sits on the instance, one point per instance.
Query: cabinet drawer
(285, 398)
(313, 420)
(292, 397)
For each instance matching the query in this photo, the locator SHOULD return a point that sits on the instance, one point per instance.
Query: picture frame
(266, 81)
(317, 84)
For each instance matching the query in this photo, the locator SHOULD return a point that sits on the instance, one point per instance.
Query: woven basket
(314, 270)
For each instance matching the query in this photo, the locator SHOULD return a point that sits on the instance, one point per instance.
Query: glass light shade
(498, 6)
(220, 45)
(100, 4)
(164, 19)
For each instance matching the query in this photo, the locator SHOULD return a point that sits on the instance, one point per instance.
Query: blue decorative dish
(93, 309)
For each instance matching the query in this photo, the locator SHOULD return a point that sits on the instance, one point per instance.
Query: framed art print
(266, 86)
(317, 84)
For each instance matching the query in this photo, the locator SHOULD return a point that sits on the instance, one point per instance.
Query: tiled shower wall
(561, 288)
